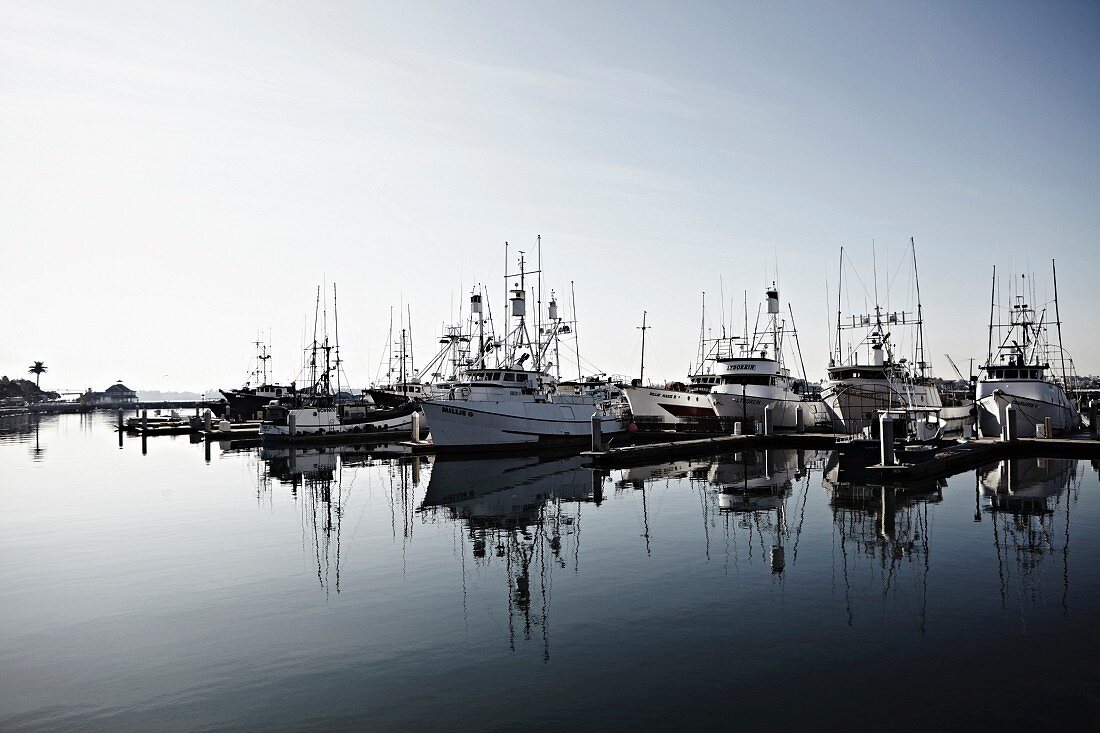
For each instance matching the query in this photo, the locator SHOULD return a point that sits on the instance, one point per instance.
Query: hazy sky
(177, 177)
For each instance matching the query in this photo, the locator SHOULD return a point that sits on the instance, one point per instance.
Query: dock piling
(415, 427)
(121, 421)
(1093, 405)
(208, 420)
(292, 425)
(597, 432)
(1008, 430)
(886, 440)
(799, 419)
(768, 420)
(737, 428)
(1048, 427)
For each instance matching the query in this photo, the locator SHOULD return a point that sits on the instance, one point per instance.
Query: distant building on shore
(117, 395)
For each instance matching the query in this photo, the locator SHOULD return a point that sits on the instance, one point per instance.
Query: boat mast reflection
(887, 526)
(1027, 499)
(316, 477)
(747, 490)
(521, 511)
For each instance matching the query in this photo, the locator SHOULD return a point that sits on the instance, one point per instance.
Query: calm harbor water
(264, 591)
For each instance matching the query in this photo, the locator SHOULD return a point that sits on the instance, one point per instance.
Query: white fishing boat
(758, 379)
(676, 403)
(673, 403)
(872, 375)
(1018, 371)
(248, 402)
(316, 411)
(517, 404)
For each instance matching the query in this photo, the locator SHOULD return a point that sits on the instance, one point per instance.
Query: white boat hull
(784, 404)
(1034, 402)
(666, 406)
(326, 421)
(854, 402)
(491, 425)
(957, 417)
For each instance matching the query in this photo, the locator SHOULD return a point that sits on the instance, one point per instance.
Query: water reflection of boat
(508, 491)
(1029, 501)
(753, 489)
(886, 526)
(747, 490)
(315, 476)
(520, 511)
(1024, 485)
(638, 476)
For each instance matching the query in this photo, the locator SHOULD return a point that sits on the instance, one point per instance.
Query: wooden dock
(951, 460)
(642, 454)
(973, 453)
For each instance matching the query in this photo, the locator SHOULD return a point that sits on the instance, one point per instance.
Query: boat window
(746, 379)
(496, 376)
(1010, 374)
(1034, 373)
(509, 377)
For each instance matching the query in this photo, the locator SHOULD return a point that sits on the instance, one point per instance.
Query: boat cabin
(857, 371)
(703, 383)
(752, 371)
(1033, 371)
(502, 378)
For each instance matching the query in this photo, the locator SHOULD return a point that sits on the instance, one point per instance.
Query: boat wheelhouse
(871, 376)
(517, 404)
(756, 383)
(1018, 372)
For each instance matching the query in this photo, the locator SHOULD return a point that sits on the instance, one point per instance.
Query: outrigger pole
(1058, 317)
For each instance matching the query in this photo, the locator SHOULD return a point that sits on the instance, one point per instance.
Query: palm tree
(37, 369)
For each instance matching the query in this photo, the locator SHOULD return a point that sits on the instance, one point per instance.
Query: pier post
(208, 420)
(886, 439)
(887, 521)
(416, 427)
(144, 421)
(1048, 427)
(1093, 405)
(778, 559)
(122, 421)
(1008, 430)
(597, 432)
(768, 420)
(737, 428)
(292, 424)
(799, 419)
(206, 449)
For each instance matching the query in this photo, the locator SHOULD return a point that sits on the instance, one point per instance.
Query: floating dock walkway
(642, 454)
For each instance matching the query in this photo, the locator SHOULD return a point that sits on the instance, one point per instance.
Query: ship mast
(920, 319)
(643, 328)
(839, 290)
(336, 328)
(1058, 323)
(576, 338)
(992, 306)
(702, 332)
